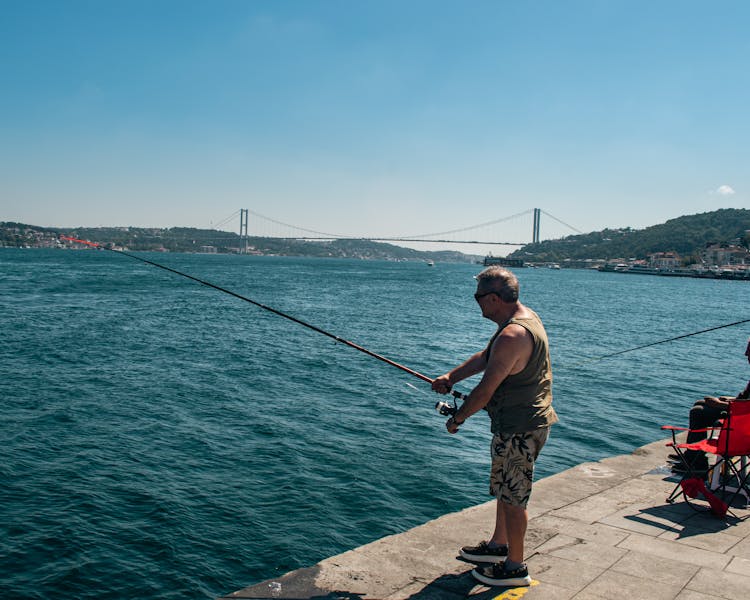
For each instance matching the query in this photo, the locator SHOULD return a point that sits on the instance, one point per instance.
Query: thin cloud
(724, 190)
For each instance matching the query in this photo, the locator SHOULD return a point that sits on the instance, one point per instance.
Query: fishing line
(380, 357)
(679, 337)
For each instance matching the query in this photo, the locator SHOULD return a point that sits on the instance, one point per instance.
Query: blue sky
(373, 118)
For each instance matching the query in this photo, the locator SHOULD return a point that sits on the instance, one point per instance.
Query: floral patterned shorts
(513, 456)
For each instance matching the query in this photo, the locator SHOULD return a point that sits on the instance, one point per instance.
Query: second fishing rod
(443, 407)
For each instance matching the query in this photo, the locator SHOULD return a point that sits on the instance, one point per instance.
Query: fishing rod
(672, 339)
(442, 407)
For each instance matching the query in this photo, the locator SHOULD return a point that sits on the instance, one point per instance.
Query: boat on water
(737, 273)
(642, 269)
(610, 267)
(430, 263)
(514, 263)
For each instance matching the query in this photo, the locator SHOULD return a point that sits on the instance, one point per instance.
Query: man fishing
(704, 414)
(516, 391)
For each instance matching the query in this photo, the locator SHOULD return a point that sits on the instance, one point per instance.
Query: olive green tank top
(523, 402)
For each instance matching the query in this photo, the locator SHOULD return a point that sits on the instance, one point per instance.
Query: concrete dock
(598, 531)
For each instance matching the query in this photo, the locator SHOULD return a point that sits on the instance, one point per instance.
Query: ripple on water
(161, 440)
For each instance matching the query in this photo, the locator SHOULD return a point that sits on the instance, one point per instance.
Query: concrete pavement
(598, 531)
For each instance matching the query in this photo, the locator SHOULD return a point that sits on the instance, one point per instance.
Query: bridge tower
(535, 233)
(243, 230)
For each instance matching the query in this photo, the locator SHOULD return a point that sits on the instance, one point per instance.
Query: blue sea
(160, 439)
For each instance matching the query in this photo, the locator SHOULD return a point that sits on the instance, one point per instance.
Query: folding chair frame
(723, 472)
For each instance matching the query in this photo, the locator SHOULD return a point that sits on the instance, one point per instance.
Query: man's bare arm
(509, 355)
(475, 364)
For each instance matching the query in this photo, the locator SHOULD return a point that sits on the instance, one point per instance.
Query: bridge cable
(562, 222)
(409, 238)
(225, 221)
(328, 235)
(487, 224)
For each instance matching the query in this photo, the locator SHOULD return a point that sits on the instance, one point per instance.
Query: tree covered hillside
(686, 235)
(185, 239)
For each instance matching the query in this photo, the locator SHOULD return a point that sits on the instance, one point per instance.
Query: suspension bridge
(497, 232)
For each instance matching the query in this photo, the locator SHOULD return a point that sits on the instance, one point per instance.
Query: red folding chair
(728, 477)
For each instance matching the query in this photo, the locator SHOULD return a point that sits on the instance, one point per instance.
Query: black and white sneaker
(500, 576)
(482, 553)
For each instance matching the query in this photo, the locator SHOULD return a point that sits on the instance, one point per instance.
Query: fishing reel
(445, 409)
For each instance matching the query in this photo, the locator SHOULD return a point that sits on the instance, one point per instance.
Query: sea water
(160, 439)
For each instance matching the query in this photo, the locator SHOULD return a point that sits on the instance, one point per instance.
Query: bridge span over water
(497, 232)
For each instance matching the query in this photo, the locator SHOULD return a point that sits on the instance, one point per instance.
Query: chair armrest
(672, 428)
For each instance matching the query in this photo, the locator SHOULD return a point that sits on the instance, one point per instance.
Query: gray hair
(500, 280)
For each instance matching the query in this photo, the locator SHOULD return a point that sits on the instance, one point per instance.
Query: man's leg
(702, 415)
(510, 479)
(500, 535)
(510, 525)
(516, 521)
(496, 549)
(510, 529)
(511, 476)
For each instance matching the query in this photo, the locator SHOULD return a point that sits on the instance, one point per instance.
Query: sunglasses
(477, 296)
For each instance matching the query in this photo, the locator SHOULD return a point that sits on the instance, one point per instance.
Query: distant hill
(686, 235)
(184, 239)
